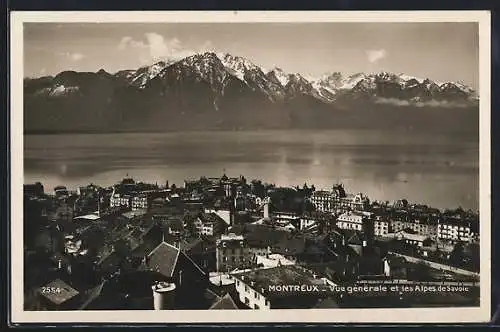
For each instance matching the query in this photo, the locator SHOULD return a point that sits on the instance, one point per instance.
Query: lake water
(434, 169)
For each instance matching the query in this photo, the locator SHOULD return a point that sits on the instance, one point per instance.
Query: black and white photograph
(285, 166)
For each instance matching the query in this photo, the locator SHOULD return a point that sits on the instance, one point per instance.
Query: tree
(457, 255)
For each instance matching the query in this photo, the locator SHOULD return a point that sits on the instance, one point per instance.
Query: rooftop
(133, 214)
(221, 279)
(352, 214)
(411, 237)
(224, 303)
(163, 259)
(262, 279)
(58, 291)
(231, 237)
(87, 217)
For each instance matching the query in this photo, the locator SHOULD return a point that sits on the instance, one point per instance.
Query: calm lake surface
(434, 169)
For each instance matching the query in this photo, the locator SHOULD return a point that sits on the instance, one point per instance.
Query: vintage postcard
(242, 167)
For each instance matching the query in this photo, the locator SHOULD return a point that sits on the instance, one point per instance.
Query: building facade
(285, 218)
(351, 220)
(454, 231)
(381, 226)
(358, 202)
(140, 202)
(232, 252)
(323, 200)
(119, 200)
(418, 226)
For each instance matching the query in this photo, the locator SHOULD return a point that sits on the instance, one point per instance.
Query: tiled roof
(58, 292)
(163, 259)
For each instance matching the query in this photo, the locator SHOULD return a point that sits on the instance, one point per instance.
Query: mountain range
(209, 91)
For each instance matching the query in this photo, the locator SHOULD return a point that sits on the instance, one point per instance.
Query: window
(247, 301)
(237, 282)
(256, 306)
(246, 288)
(255, 295)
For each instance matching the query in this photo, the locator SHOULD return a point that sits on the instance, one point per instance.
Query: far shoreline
(250, 130)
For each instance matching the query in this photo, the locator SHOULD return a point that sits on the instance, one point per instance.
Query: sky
(439, 51)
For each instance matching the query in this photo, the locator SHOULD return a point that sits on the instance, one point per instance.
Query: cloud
(427, 103)
(376, 55)
(128, 41)
(75, 57)
(155, 47)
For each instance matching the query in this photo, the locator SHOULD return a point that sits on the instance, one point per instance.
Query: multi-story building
(328, 201)
(351, 220)
(61, 191)
(34, 190)
(421, 227)
(358, 202)
(210, 224)
(140, 202)
(413, 239)
(122, 193)
(119, 200)
(381, 226)
(285, 218)
(232, 252)
(454, 230)
(323, 200)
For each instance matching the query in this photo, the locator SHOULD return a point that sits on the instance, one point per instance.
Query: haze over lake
(430, 168)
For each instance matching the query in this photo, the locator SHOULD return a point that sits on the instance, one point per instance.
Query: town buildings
(274, 288)
(413, 239)
(34, 190)
(140, 201)
(454, 230)
(358, 202)
(324, 201)
(181, 236)
(233, 252)
(381, 226)
(330, 201)
(209, 224)
(285, 218)
(351, 220)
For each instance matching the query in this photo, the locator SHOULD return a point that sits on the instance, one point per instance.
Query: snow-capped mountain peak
(238, 66)
(275, 83)
(280, 75)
